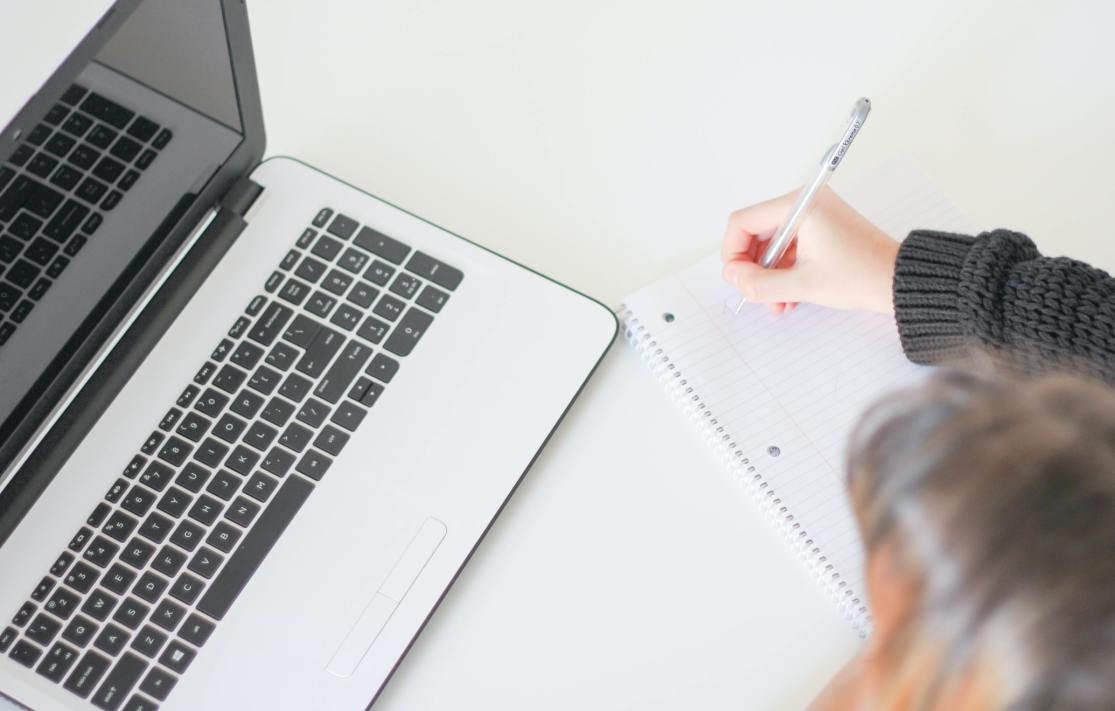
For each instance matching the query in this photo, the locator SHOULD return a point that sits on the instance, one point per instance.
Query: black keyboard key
(310, 269)
(296, 437)
(306, 238)
(100, 513)
(73, 94)
(9, 295)
(353, 260)
(313, 413)
(405, 286)
(314, 464)
(229, 379)
(42, 589)
(91, 190)
(82, 537)
(348, 415)
(56, 114)
(139, 501)
(192, 477)
(80, 631)
(268, 327)
(278, 461)
(42, 165)
(295, 387)
(383, 368)
(168, 615)
(43, 200)
(108, 169)
(118, 579)
(186, 589)
(120, 525)
(264, 380)
(149, 587)
(211, 403)
(59, 144)
(15, 196)
(25, 226)
(57, 662)
(324, 346)
(255, 547)
(41, 286)
(81, 577)
(84, 157)
(260, 486)
(170, 418)
(120, 681)
(339, 378)
(246, 404)
(196, 631)
(187, 396)
(20, 156)
(239, 328)
(10, 248)
(21, 311)
(129, 179)
(23, 273)
(289, 260)
(157, 475)
(389, 307)
(363, 294)
(100, 552)
(98, 605)
(336, 282)
(57, 266)
(7, 636)
(101, 136)
(224, 536)
(65, 177)
(111, 200)
(106, 110)
(205, 511)
(229, 428)
(42, 629)
(320, 304)
(327, 248)
(87, 673)
(176, 451)
(142, 129)
(347, 317)
(125, 149)
(157, 684)
(112, 639)
(381, 245)
(168, 561)
(407, 334)
(342, 226)
(131, 613)
(63, 561)
(260, 436)
(25, 653)
(282, 357)
(331, 440)
(294, 292)
(177, 657)
(322, 217)
(156, 528)
(193, 426)
(174, 502)
(23, 615)
(38, 135)
(371, 393)
(302, 331)
(224, 485)
(206, 561)
(162, 139)
(442, 274)
(277, 412)
(116, 491)
(62, 603)
(189, 534)
(137, 553)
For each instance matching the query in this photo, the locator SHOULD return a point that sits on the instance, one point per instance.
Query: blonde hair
(996, 500)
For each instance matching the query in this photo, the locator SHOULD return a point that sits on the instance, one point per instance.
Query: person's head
(987, 510)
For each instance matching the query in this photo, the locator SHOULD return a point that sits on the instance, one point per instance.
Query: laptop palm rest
(379, 609)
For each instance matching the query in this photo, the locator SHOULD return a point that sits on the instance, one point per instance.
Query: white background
(604, 142)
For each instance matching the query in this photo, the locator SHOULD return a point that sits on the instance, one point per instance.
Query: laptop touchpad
(379, 609)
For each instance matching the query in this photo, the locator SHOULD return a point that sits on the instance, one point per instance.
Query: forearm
(996, 293)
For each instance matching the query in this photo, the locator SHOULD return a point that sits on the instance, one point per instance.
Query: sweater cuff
(926, 299)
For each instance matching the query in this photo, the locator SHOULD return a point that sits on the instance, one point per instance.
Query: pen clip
(855, 123)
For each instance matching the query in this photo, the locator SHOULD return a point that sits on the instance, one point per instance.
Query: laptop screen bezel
(19, 488)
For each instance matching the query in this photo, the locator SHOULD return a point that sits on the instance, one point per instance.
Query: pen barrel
(781, 240)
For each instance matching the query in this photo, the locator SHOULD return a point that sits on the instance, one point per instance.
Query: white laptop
(253, 420)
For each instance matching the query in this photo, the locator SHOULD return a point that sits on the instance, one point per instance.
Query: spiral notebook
(778, 396)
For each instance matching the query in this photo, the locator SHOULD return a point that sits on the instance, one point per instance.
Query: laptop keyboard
(56, 186)
(125, 609)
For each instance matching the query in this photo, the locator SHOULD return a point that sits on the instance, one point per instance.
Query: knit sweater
(995, 293)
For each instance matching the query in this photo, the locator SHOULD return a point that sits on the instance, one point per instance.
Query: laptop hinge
(123, 353)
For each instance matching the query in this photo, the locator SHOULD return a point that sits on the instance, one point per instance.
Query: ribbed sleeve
(996, 293)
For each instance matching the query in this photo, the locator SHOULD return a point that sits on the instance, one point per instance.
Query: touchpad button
(379, 609)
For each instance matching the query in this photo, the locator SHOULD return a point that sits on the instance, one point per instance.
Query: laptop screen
(88, 182)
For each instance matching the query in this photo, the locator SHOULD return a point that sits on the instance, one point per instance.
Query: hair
(996, 498)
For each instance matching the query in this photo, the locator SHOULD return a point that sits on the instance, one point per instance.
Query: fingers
(764, 286)
(745, 225)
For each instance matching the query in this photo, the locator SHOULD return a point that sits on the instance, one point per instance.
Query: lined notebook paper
(778, 396)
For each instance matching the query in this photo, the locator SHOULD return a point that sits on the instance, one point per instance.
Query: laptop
(253, 420)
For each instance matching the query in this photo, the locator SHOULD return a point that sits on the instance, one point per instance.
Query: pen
(833, 156)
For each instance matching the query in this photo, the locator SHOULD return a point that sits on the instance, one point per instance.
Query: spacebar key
(255, 546)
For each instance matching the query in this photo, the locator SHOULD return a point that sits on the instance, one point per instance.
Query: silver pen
(833, 156)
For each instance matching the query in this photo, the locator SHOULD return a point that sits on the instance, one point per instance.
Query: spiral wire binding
(743, 471)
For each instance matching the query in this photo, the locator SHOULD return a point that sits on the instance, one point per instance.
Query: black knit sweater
(995, 293)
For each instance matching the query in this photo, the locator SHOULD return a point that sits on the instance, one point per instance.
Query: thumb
(762, 286)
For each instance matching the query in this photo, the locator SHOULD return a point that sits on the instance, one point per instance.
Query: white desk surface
(604, 142)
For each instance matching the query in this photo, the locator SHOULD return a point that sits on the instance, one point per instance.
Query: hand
(838, 259)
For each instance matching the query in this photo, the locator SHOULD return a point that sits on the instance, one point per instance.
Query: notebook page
(787, 390)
